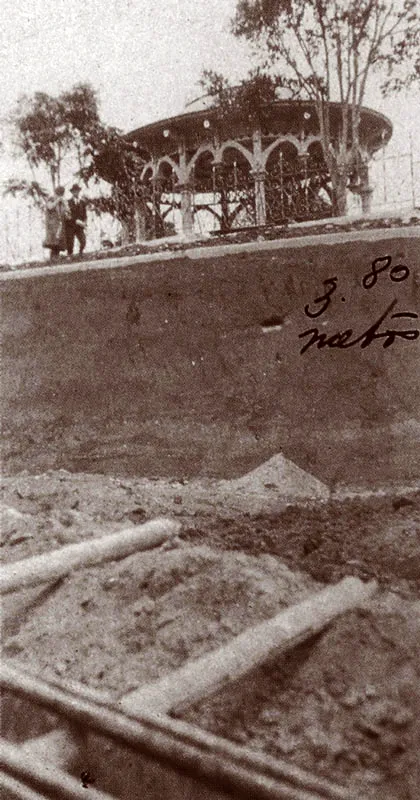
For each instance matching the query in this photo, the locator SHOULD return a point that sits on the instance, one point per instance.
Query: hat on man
(75, 188)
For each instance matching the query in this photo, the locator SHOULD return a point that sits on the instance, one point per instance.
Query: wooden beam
(51, 566)
(161, 742)
(59, 746)
(12, 789)
(51, 781)
(212, 672)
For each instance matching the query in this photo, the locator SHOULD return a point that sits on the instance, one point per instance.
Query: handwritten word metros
(346, 339)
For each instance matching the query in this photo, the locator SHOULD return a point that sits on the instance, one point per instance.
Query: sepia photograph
(210, 399)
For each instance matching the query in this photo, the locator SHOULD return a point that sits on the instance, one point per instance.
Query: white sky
(144, 58)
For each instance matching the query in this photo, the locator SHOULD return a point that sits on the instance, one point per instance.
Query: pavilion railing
(297, 191)
(290, 191)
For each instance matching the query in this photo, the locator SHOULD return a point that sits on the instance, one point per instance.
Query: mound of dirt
(365, 534)
(346, 705)
(282, 474)
(120, 625)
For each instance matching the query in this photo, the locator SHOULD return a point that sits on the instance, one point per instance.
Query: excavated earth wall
(190, 364)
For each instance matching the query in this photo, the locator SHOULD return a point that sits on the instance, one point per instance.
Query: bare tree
(328, 50)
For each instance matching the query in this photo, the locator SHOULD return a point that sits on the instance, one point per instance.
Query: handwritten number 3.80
(398, 273)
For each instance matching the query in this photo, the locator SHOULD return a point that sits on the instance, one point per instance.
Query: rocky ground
(346, 704)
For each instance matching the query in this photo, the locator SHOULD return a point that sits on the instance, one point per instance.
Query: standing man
(76, 223)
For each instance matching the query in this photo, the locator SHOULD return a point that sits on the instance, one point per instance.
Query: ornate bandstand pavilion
(228, 176)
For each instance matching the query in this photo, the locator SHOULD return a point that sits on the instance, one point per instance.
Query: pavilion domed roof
(285, 116)
(201, 103)
(207, 101)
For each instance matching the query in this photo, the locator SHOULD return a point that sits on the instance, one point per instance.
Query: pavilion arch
(148, 172)
(286, 141)
(313, 141)
(204, 148)
(235, 167)
(201, 169)
(288, 149)
(161, 170)
(231, 144)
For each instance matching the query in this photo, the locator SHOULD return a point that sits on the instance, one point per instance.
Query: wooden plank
(51, 566)
(177, 746)
(44, 777)
(59, 746)
(12, 789)
(212, 672)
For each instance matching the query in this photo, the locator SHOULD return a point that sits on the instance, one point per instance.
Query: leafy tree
(49, 130)
(328, 50)
(80, 117)
(115, 160)
(40, 133)
(404, 70)
(30, 189)
(249, 99)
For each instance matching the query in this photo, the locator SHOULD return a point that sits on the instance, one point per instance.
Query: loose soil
(346, 704)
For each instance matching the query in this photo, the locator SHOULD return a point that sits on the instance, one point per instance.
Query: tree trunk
(139, 220)
(125, 231)
(339, 186)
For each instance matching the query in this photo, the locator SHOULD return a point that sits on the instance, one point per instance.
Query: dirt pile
(365, 535)
(346, 705)
(281, 474)
(120, 625)
(58, 507)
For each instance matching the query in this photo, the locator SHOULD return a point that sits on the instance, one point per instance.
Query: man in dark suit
(76, 222)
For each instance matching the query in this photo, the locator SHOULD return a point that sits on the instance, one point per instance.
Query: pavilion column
(303, 158)
(260, 204)
(258, 174)
(219, 188)
(157, 219)
(366, 198)
(365, 189)
(185, 188)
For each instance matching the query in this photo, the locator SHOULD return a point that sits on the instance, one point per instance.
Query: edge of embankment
(214, 251)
